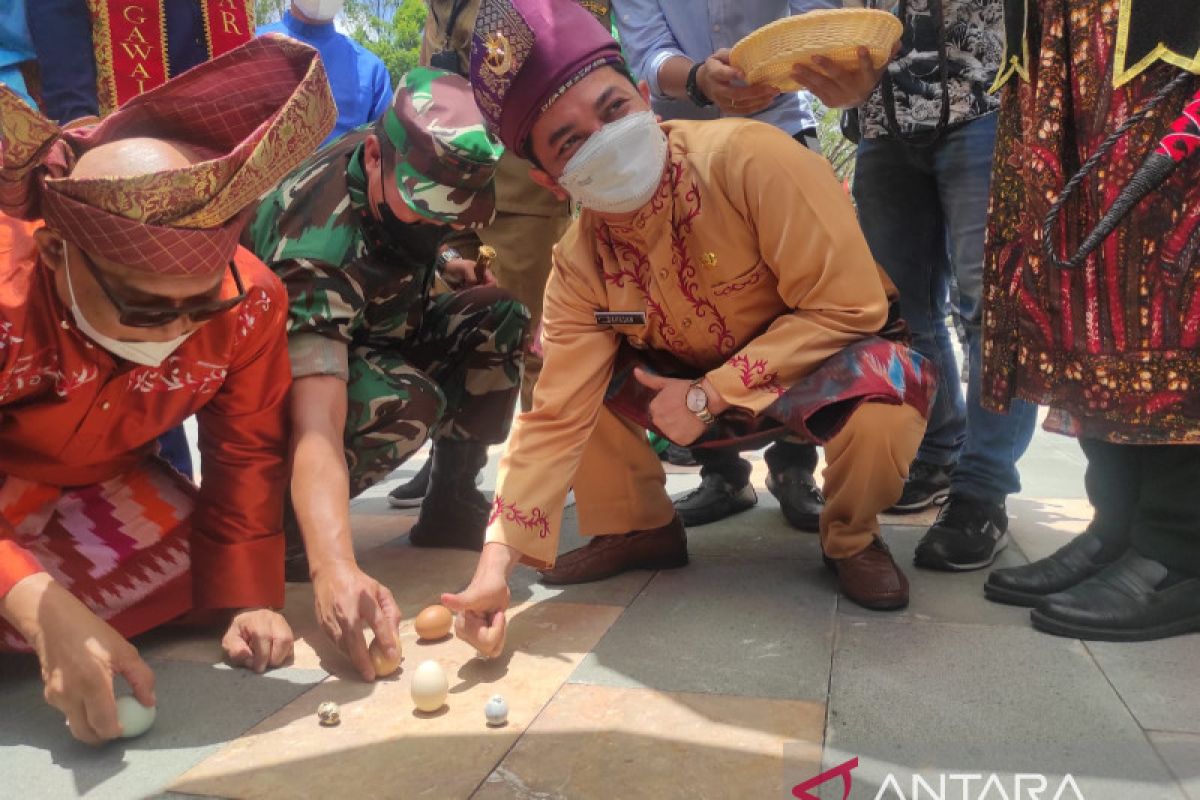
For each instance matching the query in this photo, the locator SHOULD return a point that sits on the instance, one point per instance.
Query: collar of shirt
(307, 31)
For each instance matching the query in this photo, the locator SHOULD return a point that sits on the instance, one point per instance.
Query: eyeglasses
(135, 316)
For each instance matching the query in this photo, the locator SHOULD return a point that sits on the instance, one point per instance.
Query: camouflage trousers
(457, 377)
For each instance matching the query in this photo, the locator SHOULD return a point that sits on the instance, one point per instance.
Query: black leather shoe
(715, 498)
(799, 498)
(1134, 599)
(678, 456)
(968, 534)
(926, 484)
(1073, 563)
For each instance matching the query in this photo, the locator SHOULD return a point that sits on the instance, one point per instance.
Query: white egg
(134, 717)
(429, 686)
(496, 711)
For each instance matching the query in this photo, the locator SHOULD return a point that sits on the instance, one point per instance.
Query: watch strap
(692, 87)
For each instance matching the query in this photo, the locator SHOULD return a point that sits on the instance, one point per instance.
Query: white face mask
(148, 354)
(320, 10)
(618, 169)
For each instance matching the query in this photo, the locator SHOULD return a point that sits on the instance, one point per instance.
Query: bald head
(140, 155)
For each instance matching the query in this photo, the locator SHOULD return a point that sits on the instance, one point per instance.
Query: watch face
(697, 400)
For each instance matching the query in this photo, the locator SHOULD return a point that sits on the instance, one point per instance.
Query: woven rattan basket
(768, 54)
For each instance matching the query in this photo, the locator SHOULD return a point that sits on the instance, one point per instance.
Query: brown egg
(384, 666)
(433, 623)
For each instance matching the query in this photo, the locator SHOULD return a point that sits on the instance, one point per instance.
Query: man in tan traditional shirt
(722, 257)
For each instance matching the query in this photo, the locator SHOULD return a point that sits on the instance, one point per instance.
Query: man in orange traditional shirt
(129, 310)
(721, 257)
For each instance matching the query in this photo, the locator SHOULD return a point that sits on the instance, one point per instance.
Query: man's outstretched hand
(479, 610)
(347, 601)
(837, 86)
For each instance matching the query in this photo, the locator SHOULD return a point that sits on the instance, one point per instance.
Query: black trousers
(1146, 497)
(735, 469)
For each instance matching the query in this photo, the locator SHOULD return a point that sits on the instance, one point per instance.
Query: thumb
(459, 603)
(648, 380)
(140, 677)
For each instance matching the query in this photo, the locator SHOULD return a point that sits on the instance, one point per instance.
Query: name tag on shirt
(620, 317)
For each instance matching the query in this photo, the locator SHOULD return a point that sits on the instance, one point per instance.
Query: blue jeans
(924, 212)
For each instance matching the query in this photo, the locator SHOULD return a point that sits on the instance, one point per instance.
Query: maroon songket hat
(525, 54)
(254, 113)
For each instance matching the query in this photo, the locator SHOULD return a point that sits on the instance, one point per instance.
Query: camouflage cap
(443, 157)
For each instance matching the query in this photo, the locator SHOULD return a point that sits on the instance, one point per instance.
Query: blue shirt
(652, 31)
(15, 47)
(361, 85)
(62, 37)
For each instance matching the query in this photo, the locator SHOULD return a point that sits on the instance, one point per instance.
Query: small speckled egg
(429, 686)
(134, 717)
(383, 665)
(496, 711)
(433, 623)
(328, 714)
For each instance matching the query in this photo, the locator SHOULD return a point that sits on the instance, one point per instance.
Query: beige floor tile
(602, 742)
(383, 748)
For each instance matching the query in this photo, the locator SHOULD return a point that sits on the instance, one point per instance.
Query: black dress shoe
(678, 456)
(1134, 599)
(799, 498)
(969, 533)
(1073, 563)
(716, 498)
(926, 484)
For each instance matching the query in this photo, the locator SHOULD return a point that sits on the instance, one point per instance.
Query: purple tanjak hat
(525, 54)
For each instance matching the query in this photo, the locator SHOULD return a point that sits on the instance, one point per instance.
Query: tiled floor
(740, 676)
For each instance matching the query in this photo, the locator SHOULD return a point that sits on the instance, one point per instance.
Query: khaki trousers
(621, 487)
(523, 243)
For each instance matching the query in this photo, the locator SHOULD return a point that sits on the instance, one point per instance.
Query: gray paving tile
(1181, 751)
(1157, 680)
(942, 596)
(200, 708)
(952, 699)
(719, 626)
(1052, 470)
(1041, 525)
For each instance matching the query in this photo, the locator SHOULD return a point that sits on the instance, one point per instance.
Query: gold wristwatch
(697, 403)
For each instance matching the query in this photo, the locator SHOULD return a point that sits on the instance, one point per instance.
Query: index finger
(495, 633)
(80, 728)
(100, 708)
(354, 645)
(384, 619)
(484, 632)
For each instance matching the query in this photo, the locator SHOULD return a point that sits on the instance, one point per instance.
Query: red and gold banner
(130, 42)
(227, 24)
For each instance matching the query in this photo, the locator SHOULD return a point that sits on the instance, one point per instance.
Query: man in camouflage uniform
(529, 220)
(380, 361)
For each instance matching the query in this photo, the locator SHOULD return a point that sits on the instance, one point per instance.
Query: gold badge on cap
(499, 58)
(709, 259)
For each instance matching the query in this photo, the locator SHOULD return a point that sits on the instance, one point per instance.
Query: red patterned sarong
(120, 546)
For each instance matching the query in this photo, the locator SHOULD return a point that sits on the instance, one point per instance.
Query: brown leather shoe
(871, 578)
(605, 556)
